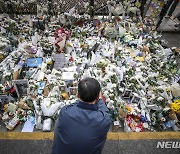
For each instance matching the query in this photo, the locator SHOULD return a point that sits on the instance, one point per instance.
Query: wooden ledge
(110, 136)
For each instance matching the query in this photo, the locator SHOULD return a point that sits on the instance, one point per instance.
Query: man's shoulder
(69, 106)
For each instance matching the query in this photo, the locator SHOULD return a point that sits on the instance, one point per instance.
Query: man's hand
(100, 96)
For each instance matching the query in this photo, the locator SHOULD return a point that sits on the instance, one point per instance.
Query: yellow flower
(175, 106)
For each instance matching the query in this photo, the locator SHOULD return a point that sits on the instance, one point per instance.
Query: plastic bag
(175, 89)
(47, 125)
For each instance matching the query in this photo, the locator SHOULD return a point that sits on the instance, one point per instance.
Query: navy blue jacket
(81, 129)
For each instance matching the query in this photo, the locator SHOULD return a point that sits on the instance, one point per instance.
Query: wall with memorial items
(42, 59)
(50, 6)
(18, 6)
(31, 6)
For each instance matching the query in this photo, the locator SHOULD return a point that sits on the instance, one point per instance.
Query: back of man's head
(89, 89)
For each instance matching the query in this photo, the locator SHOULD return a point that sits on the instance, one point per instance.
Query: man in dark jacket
(82, 127)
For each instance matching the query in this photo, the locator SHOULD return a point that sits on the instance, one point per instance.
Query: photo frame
(38, 23)
(41, 86)
(62, 88)
(21, 87)
(73, 91)
(127, 93)
(34, 62)
(69, 83)
(135, 99)
(3, 99)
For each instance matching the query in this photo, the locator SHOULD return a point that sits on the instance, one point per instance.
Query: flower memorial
(41, 68)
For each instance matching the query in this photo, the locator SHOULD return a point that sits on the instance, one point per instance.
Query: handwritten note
(59, 61)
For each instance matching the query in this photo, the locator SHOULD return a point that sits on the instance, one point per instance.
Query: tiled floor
(167, 25)
(172, 39)
(111, 147)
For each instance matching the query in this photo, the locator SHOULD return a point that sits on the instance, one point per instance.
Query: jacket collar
(87, 106)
